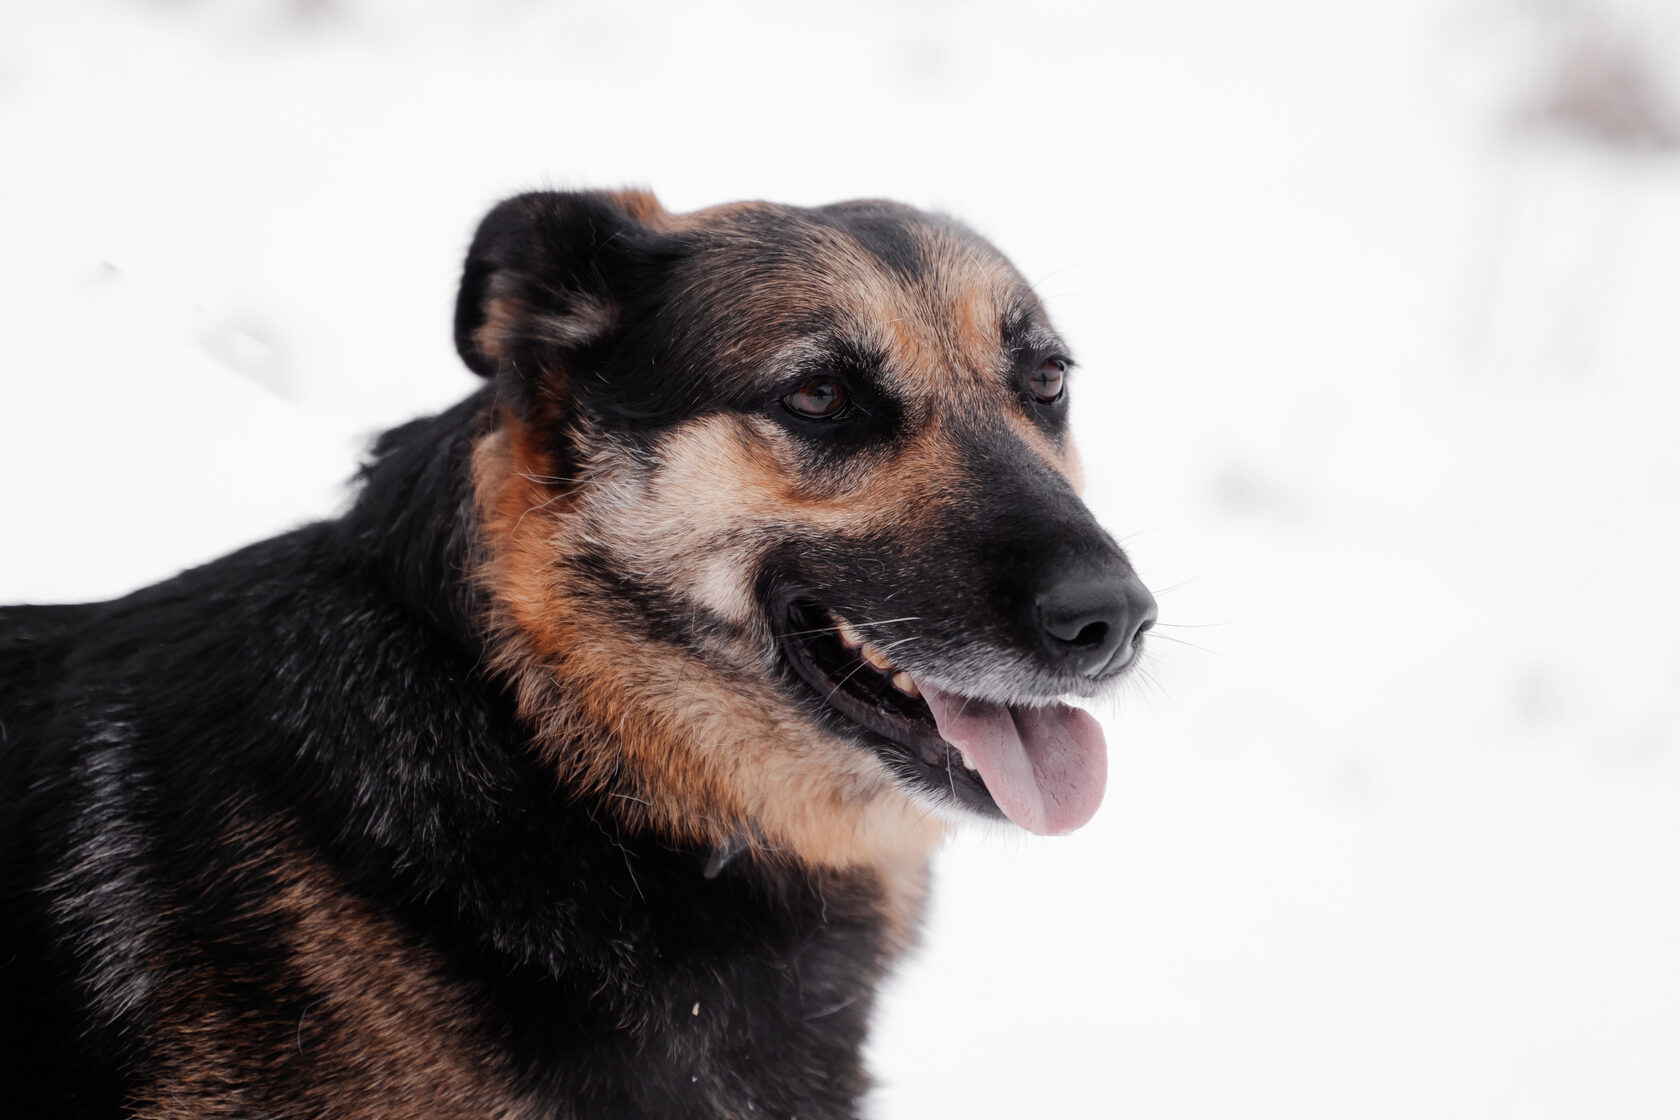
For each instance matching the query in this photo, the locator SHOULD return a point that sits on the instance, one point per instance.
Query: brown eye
(1046, 381)
(819, 398)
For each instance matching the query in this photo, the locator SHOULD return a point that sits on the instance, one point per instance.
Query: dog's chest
(714, 1001)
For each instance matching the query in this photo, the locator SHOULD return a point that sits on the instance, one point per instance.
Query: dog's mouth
(1043, 766)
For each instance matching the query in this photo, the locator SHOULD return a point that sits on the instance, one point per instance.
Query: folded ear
(548, 273)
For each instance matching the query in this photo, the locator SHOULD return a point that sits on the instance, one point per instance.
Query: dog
(590, 765)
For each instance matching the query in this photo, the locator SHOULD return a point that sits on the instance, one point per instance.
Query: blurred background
(1378, 306)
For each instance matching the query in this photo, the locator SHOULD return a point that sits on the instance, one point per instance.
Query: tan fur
(701, 752)
(642, 206)
(505, 316)
(387, 1035)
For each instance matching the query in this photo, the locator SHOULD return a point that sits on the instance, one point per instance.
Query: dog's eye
(1047, 380)
(820, 398)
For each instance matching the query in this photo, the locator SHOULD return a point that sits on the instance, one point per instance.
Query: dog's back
(44, 1043)
(34, 643)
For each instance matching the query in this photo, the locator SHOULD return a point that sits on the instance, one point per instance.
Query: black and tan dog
(590, 765)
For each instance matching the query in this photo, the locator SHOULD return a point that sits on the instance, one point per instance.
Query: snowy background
(1379, 312)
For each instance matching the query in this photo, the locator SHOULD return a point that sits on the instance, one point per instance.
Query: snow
(1379, 379)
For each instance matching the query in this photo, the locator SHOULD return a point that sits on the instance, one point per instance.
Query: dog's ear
(548, 274)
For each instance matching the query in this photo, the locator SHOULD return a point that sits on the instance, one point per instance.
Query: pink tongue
(1045, 767)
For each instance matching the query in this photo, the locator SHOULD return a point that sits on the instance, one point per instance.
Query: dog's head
(782, 502)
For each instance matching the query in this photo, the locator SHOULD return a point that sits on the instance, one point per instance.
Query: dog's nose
(1090, 616)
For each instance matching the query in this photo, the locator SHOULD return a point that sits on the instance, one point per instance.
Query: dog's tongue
(1045, 767)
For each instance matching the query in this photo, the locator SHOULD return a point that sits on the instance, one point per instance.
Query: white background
(1379, 379)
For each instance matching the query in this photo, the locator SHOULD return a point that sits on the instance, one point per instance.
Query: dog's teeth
(849, 637)
(967, 765)
(875, 657)
(904, 684)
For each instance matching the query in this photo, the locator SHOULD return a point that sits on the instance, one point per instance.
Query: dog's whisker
(862, 663)
(1183, 583)
(1160, 689)
(855, 625)
(842, 682)
(1201, 625)
(1192, 645)
(1055, 272)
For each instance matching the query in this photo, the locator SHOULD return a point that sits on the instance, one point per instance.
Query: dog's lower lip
(836, 658)
(855, 679)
